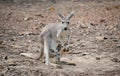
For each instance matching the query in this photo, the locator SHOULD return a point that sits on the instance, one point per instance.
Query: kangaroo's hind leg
(46, 50)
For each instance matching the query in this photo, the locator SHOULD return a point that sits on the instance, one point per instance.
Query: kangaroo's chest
(53, 44)
(54, 41)
(64, 35)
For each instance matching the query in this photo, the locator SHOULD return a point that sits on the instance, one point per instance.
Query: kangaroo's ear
(61, 16)
(70, 15)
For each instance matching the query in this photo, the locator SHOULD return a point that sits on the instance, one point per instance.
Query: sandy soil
(95, 37)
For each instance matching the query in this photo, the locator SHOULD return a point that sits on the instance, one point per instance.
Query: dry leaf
(16, 46)
(11, 63)
(51, 8)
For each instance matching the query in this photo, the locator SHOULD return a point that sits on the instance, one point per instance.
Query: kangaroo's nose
(65, 28)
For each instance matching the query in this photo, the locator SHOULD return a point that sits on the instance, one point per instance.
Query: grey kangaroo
(51, 36)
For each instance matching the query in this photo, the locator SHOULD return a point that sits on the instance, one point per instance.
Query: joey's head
(65, 20)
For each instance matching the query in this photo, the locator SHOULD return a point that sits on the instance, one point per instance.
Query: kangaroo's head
(66, 20)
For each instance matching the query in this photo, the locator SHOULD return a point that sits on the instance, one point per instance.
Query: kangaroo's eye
(68, 22)
(63, 22)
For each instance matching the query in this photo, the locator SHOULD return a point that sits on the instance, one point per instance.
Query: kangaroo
(51, 37)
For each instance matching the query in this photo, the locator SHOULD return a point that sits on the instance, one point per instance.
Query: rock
(24, 33)
(16, 46)
(118, 32)
(102, 21)
(1, 66)
(35, 27)
(1, 42)
(6, 57)
(93, 24)
(115, 60)
(101, 38)
(83, 26)
(97, 58)
(115, 40)
(40, 15)
(72, 42)
(2, 46)
(105, 38)
(1, 74)
(27, 18)
(85, 53)
(108, 8)
(59, 67)
(54, 1)
(118, 46)
(13, 39)
(11, 63)
(33, 34)
(82, 45)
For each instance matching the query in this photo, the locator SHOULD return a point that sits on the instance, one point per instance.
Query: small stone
(24, 33)
(83, 26)
(93, 24)
(1, 66)
(101, 38)
(6, 57)
(72, 64)
(118, 46)
(115, 60)
(59, 67)
(39, 14)
(16, 46)
(84, 54)
(13, 39)
(1, 74)
(1, 42)
(71, 42)
(82, 45)
(108, 8)
(27, 18)
(102, 21)
(11, 63)
(115, 40)
(105, 38)
(97, 58)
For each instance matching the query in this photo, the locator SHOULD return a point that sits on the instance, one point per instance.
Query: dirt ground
(95, 37)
